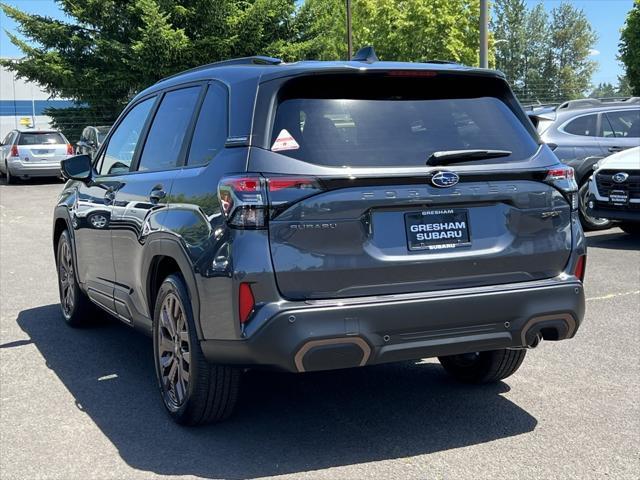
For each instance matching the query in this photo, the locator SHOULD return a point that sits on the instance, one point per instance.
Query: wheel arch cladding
(162, 258)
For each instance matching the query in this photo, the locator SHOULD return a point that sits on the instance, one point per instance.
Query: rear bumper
(368, 331)
(23, 169)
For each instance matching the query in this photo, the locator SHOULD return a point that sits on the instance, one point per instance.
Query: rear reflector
(581, 266)
(246, 302)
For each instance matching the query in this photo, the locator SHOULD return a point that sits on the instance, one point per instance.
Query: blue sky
(606, 17)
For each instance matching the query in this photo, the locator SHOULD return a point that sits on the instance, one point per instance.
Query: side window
(7, 139)
(625, 123)
(585, 126)
(210, 133)
(122, 144)
(164, 142)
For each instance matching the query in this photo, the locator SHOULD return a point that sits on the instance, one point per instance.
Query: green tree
(408, 30)
(112, 49)
(571, 40)
(630, 48)
(537, 55)
(509, 26)
(624, 88)
(603, 90)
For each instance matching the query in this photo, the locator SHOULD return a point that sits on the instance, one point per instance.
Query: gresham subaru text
(322, 215)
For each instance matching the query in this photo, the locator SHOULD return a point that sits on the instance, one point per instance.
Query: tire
(193, 391)
(77, 309)
(483, 367)
(588, 222)
(630, 228)
(10, 178)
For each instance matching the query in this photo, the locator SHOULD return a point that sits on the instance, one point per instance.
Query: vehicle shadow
(32, 181)
(285, 423)
(616, 240)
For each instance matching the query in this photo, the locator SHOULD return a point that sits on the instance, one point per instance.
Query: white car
(614, 189)
(33, 153)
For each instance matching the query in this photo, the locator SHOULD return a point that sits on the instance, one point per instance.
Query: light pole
(484, 41)
(349, 45)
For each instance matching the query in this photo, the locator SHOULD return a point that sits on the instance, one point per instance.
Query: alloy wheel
(583, 195)
(66, 279)
(174, 351)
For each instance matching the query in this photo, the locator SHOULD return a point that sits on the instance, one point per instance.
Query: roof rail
(597, 102)
(255, 60)
(365, 54)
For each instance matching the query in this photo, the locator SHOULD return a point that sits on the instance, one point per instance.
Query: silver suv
(580, 132)
(33, 153)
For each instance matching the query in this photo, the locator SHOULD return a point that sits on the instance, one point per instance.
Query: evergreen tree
(630, 48)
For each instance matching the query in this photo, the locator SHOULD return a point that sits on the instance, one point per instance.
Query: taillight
(246, 302)
(69, 149)
(581, 267)
(563, 178)
(248, 201)
(244, 201)
(14, 151)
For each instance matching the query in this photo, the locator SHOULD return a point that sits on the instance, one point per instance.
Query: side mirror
(77, 168)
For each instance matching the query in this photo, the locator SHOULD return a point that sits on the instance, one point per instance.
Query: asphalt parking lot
(79, 404)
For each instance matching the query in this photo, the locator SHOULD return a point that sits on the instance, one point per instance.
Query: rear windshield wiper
(446, 157)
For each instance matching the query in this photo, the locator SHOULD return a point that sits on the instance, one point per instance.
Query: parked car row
(582, 132)
(32, 153)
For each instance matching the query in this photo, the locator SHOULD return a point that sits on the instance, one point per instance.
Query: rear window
(40, 139)
(396, 122)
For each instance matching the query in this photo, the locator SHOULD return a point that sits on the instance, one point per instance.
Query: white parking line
(613, 295)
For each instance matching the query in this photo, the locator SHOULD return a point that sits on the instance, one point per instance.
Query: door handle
(157, 194)
(616, 149)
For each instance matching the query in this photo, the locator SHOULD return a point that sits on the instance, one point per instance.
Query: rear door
(372, 218)
(621, 130)
(141, 198)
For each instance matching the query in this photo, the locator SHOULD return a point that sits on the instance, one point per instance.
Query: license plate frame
(426, 230)
(619, 197)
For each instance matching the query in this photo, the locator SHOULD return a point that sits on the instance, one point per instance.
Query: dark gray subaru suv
(322, 215)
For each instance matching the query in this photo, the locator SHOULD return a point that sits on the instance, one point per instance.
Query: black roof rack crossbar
(255, 60)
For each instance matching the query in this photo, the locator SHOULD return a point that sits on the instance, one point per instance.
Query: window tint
(40, 139)
(162, 148)
(585, 126)
(122, 144)
(625, 123)
(395, 123)
(210, 133)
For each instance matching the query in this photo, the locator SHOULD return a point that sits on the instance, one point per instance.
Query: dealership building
(22, 104)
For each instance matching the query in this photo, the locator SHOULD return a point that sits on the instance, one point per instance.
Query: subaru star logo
(445, 179)
(620, 177)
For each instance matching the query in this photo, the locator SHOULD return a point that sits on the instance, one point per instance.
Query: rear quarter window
(395, 122)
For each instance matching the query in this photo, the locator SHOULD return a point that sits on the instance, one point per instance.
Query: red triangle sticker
(284, 142)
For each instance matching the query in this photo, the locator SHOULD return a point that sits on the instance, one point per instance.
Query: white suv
(614, 189)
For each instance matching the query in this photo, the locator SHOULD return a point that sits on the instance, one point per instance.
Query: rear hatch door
(368, 216)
